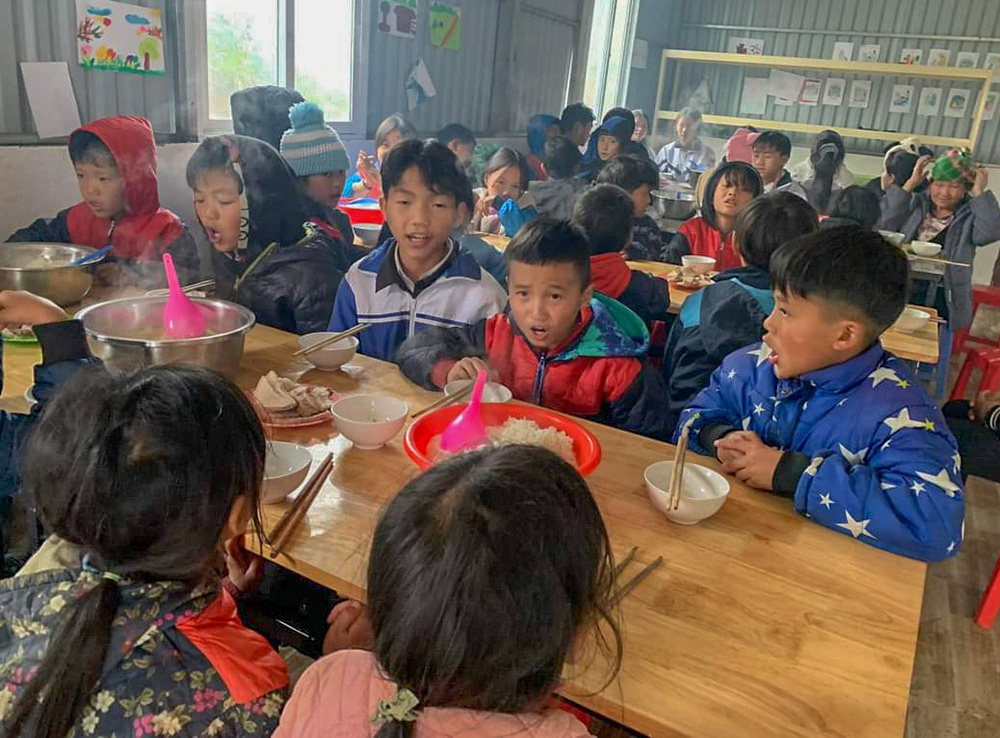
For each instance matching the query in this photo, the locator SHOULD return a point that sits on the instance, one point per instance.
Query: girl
(824, 172)
(505, 178)
(641, 133)
(606, 142)
(729, 189)
(252, 211)
(486, 575)
(150, 474)
(956, 211)
(541, 128)
(365, 182)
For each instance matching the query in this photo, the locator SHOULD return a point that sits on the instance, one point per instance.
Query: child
(976, 426)
(958, 212)
(898, 161)
(541, 129)
(576, 121)
(560, 346)
(262, 111)
(488, 574)
(150, 474)
(717, 320)
(824, 172)
(771, 150)
(639, 178)
(485, 255)
(365, 181)
(821, 413)
(641, 133)
(730, 188)
(419, 278)
(606, 142)
(115, 163)
(854, 205)
(505, 178)
(319, 160)
(460, 141)
(687, 157)
(555, 196)
(739, 146)
(253, 213)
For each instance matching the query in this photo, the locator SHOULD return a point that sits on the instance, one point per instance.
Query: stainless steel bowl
(115, 331)
(43, 268)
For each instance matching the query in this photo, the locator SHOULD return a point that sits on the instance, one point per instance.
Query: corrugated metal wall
(810, 28)
(45, 30)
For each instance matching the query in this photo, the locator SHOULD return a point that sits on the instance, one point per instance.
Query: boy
(115, 163)
(556, 196)
(604, 214)
(419, 278)
(771, 150)
(460, 141)
(576, 121)
(639, 178)
(717, 320)
(819, 412)
(559, 346)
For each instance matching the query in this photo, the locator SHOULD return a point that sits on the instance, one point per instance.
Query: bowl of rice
(508, 424)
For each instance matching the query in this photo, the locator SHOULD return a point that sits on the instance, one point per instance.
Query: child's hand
(754, 462)
(245, 569)
(982, 181)
(467, 368)
(349, 627)
(26, 308)
(985, 402)
(366, 170)
(885, 180)
(919, 170)
(725, 454)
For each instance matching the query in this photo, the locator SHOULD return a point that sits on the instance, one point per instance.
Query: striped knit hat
(310, 146)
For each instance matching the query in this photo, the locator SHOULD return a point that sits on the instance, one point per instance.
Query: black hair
(692, 114)
(437, 164)
(562, 157)
(630, 173)
(826, 156)
(484, 572)
(507, 157)
(395, 122)
(774, 140)
(768, 222)
(140, 470)
(900, 165)
(852, 268)
(261, 112)
(858, 204)
(604, 213)
(575, 113)
(212, 155)
(456, 132)
(88, 148)
(733, 174)
(547, 240)
(621, 113)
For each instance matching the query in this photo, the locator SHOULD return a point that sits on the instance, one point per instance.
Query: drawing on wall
(398, 17)
(834, 92)
(843, 51)
(869, 52)
(446, 26)
(119, 37)
(991, 63)
(956, 103)
(911, 56)
(967, 60)
(751, 46)
(754, 100)
(930, 101)
(811, 89)
(861, 93)
(939, 58)
(902, 99)
(991, 104)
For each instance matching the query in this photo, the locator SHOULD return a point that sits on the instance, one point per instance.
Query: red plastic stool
(981, 295)
(988, 606)
(987, 360)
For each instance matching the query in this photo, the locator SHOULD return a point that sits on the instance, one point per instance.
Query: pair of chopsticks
(445, 401)
(332, 339)
(634, 581)
(293, 516)
(203, 285)
(932, 260)
(677, 473)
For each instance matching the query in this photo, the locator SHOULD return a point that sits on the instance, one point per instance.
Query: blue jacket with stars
(867, 453)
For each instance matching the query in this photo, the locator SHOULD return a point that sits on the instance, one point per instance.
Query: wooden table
(759, 623)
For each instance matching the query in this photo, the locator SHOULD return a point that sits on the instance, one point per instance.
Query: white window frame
(196, 27)
(619, 85)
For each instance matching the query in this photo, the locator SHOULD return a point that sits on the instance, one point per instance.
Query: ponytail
(821, 188)
(72, 665)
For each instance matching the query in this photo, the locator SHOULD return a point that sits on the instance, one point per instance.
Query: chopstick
(204, 284)
(445, 401)
(677, 473)
(932, 260)
(625, 562)
(634, 582)
(293, 516)
(332, 339)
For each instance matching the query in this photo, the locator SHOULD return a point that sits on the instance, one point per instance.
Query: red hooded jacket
(703, 240)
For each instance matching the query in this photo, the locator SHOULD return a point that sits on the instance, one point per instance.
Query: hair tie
(110, 575)
(400, 708)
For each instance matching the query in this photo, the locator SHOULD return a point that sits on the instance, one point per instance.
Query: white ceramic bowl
(698, 264)
(925, 248)
(368, 233)
(332, 357)
(894, 237)
(285, 468)
(702, 495)
(492, 392)
(912, 319)
(369, 420)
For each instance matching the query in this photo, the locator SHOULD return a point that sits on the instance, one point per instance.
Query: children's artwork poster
(991, 104)
(956, 103)
(939, 58)
(119, 37)
(929, 102)
(869, 52)
(902, 99)
(843, 51)
(446, 26)
(419, 85)
(750, 46)
(785, 86)
(397, 17)
(967, 60)
(834, 92)
(811, 90)
(993, 62)
(911, 56)
(861, 93)
(754, 100)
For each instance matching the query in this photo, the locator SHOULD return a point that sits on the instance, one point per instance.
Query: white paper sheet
(50, 95)
(640, 52)
(419, 85)
(785, 85)
(754, 100)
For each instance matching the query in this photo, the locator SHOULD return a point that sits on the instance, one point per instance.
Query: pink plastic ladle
(181, 317)
(467, 431)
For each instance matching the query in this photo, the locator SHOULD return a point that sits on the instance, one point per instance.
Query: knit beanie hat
(739, 147)
(310, 146)
(954, 164)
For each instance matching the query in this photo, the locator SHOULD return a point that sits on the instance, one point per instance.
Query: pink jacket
(339, 693)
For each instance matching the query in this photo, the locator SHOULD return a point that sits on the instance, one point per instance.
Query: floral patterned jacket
(180, 663)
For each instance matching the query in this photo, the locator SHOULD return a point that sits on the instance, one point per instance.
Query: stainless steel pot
(42, 268)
